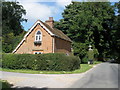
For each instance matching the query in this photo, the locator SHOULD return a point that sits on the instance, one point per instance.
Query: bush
(51, 61)
(84, 60)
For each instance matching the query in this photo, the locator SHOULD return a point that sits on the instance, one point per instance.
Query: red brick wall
(62, 45)
(29, 47)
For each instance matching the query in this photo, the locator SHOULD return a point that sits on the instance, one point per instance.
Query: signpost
(90, 55)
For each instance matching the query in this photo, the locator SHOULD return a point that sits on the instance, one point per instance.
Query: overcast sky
(43, 9)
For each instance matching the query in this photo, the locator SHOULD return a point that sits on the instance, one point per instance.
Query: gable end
(30, 30)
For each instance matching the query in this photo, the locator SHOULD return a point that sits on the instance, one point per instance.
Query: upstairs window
(38, 36)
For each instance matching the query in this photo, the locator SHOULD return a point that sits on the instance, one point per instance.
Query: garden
(52, 63)
(44, 62)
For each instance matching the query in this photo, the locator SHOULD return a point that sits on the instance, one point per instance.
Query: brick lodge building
(44, 38)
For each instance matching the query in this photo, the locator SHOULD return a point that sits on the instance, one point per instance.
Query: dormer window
(38, 37)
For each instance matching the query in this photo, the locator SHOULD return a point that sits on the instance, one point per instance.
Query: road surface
(103, 75)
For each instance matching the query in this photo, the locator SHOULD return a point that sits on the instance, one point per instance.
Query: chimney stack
(50, 22)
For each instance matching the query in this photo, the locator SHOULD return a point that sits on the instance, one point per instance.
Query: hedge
(49, 62)
(84, 60)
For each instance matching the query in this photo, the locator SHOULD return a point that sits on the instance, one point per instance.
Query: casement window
(38, 36)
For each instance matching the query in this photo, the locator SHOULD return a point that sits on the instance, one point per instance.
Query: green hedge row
(52, 61)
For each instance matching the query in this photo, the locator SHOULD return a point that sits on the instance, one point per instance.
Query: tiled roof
(58, 33)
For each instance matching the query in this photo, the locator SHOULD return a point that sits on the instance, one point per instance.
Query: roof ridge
(53, 30)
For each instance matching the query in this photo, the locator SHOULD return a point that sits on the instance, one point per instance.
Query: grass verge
(83, 68)
(4, 84)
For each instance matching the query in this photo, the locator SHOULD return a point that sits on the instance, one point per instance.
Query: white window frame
(38, 36)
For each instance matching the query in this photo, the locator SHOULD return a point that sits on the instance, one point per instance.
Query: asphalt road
(104, 75)
(22, 80)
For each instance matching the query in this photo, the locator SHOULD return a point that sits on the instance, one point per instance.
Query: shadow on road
(33, 88)
(30, 88)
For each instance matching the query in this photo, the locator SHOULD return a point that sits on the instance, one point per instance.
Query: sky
(38, 9)
(43, 9)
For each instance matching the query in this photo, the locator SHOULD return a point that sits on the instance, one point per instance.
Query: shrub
(51, 61)
(84, 60)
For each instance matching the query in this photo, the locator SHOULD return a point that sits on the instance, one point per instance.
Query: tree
(89, 23)
(12, 13)
(116, 36)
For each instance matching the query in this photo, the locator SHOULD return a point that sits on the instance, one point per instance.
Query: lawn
(4, 84)
(83, 68)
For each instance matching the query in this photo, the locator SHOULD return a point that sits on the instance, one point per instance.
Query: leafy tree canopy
(90, 23)
(12, 13)
(12, 16)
